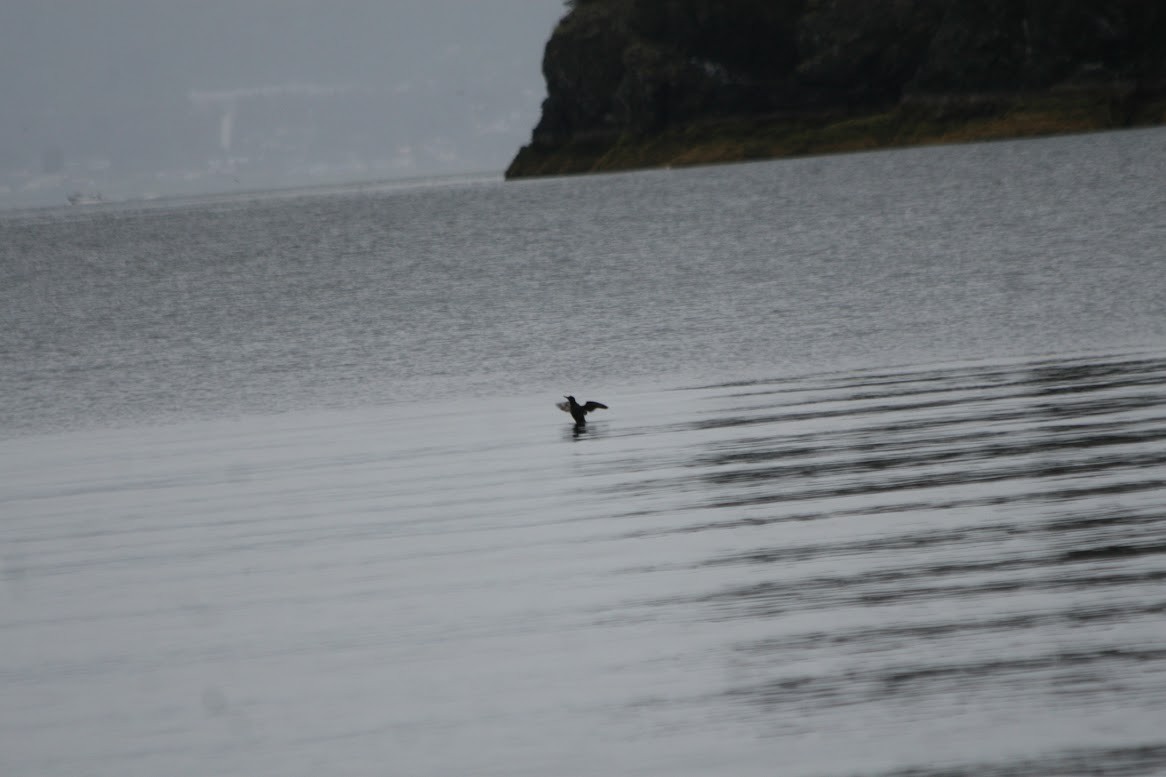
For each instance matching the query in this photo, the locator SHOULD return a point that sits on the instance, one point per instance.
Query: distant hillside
(640, 83)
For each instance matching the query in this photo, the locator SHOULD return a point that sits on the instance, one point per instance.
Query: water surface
(881, 490)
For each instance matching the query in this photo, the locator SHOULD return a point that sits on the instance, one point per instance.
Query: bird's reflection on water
(589, 432)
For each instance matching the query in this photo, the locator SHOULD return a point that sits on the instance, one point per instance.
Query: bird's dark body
(579, 412)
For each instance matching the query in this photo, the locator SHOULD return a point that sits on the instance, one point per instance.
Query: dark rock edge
(657, 83)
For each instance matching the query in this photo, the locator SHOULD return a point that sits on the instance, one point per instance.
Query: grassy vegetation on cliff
(754, 138)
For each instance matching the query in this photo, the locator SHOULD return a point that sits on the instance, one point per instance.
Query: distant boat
(80, 198)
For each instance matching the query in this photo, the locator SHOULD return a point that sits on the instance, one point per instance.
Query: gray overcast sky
(198, 94)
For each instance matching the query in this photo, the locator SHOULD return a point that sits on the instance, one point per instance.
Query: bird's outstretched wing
(587, 408)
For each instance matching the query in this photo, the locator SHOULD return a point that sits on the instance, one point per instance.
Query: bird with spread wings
(579, 412)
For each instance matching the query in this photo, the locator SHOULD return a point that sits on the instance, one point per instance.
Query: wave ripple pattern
(945, 570)
(963, 562)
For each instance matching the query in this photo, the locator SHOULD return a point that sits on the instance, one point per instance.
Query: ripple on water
(979, 545)
(938, 571)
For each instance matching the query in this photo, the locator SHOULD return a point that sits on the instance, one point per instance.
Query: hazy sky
(203, 92)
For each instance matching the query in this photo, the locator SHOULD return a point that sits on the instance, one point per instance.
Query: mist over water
(136, 99)
(880, 489)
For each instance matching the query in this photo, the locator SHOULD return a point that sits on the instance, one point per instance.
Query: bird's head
(568, 398)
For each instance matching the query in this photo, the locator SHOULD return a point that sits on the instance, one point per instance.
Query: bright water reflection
(939, 571)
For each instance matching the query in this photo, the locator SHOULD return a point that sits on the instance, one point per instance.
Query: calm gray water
(882, 488)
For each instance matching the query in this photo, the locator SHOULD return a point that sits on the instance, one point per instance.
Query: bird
(577, 411)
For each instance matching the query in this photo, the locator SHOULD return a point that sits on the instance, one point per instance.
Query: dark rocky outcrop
(635, 83)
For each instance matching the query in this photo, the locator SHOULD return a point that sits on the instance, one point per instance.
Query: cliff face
(643, 82)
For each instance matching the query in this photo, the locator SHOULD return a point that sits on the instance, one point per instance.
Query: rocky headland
(645, 83)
